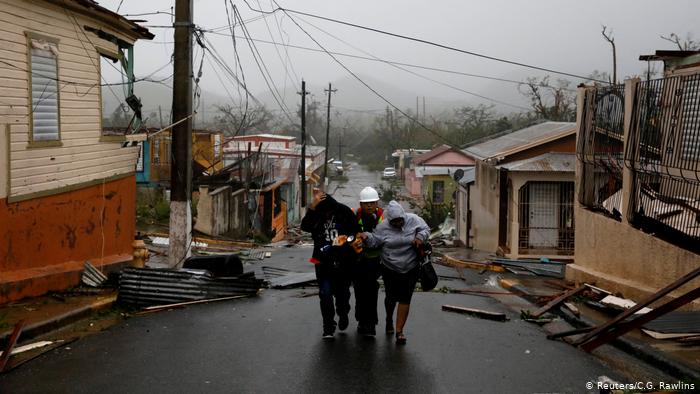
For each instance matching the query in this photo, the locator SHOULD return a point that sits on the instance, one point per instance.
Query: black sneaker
(328, 335)
(369, 331)
(343, 322)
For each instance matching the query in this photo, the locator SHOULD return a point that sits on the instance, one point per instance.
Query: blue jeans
(333, 282)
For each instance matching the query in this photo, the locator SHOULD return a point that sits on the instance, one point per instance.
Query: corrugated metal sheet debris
(148, 286)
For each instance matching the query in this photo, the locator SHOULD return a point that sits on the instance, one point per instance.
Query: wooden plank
(179, 304)
(557, 301)
(476, 312)
(571, 332)
(648, 301)
(619, 329)
(11, 344)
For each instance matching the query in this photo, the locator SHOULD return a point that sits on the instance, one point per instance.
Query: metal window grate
(600, 149)
(546, 218)
(663, 154)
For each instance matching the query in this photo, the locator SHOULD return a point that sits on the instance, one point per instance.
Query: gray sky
(564, 35)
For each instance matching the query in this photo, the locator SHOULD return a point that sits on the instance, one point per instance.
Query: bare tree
(687, 44)
(234, 120)
(609, 38)
(551, 101)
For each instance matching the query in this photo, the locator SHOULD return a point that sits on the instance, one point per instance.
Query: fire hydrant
(140, 253)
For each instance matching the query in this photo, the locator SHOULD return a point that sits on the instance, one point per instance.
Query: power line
(378, 59)
(420, 40)
(419, 75)
(367, 86)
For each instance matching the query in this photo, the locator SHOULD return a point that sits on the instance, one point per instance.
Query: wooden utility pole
(181, 169)
(328, 129)
(302, 169)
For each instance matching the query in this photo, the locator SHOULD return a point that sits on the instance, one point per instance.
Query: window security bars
(600, 149)
(663, 154)
(546, 218)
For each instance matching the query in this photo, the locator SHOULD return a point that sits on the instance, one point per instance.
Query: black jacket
(329, 220)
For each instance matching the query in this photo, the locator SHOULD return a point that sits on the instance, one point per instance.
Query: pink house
(431, 174)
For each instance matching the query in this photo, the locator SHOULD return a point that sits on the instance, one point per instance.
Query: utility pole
(160, 115)
(302, 170)
(328, 129)
(181, 169)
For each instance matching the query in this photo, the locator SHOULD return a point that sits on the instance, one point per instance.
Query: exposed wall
(518, 180)
(45, 241)
(623, 259)
(485, 209)
(221, 212)
(82, 156)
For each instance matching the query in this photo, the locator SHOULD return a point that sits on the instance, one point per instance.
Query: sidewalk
(668, 356)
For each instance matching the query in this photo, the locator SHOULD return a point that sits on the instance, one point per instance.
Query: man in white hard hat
(368, 268)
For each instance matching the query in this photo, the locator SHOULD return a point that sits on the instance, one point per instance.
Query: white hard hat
(368, 194)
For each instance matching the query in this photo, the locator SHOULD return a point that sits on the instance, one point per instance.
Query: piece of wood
(476, 312)
(570, 332)
(648, 301)
(179, 304)
(618, 328)
(570, 306)
(11, 344)
(557, 301)
(31, 346)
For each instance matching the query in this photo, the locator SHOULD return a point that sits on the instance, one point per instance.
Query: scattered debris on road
(280, 278)
(92, 276)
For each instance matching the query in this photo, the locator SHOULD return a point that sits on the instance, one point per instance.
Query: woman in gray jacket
(400, 235)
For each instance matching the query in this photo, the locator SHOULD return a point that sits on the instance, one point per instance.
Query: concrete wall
(221, 212)
(620, 258)
(485, 209)
(517, 181)
(45, 241)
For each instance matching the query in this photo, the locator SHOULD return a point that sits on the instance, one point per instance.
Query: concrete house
(637, 209)
(67, 191)
(521, 201)
(431, 174)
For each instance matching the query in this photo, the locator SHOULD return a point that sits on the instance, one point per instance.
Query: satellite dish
(458, 175)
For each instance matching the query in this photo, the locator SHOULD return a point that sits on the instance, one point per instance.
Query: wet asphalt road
(272, 344)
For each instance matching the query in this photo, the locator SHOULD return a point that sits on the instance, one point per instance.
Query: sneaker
(327, 335)
(343, 322)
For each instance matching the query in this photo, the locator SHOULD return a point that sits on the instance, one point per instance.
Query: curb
(630, 346)
(54, 323)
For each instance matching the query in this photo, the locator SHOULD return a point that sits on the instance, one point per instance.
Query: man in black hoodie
(330, 224)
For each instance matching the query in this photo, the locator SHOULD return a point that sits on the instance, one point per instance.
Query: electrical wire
(420, 40)
(416, 74)
(441, 137)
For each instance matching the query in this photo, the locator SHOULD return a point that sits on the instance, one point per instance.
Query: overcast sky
(563, 35)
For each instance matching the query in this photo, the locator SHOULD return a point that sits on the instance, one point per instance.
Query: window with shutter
(44, 90)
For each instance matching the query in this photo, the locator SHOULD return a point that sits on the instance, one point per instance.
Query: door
(543, 212)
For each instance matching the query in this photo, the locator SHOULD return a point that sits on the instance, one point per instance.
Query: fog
(561, 35)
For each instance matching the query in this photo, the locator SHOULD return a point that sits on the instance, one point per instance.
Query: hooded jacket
(398, 253)
(325, 223)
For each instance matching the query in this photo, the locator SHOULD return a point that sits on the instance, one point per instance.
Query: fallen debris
(158, 308)
(674, 325)
(11, 344)
(92, 276)
(31, 346)
(572, 308)
(557, 301)
(149, 286)
(622, 304)
(219, 265)
(284, 279)
(476, 312)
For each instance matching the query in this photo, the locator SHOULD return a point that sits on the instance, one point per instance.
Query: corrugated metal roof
(530, 136)
(548, 162)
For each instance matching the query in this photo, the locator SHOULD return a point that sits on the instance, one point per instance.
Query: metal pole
(181, 169)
